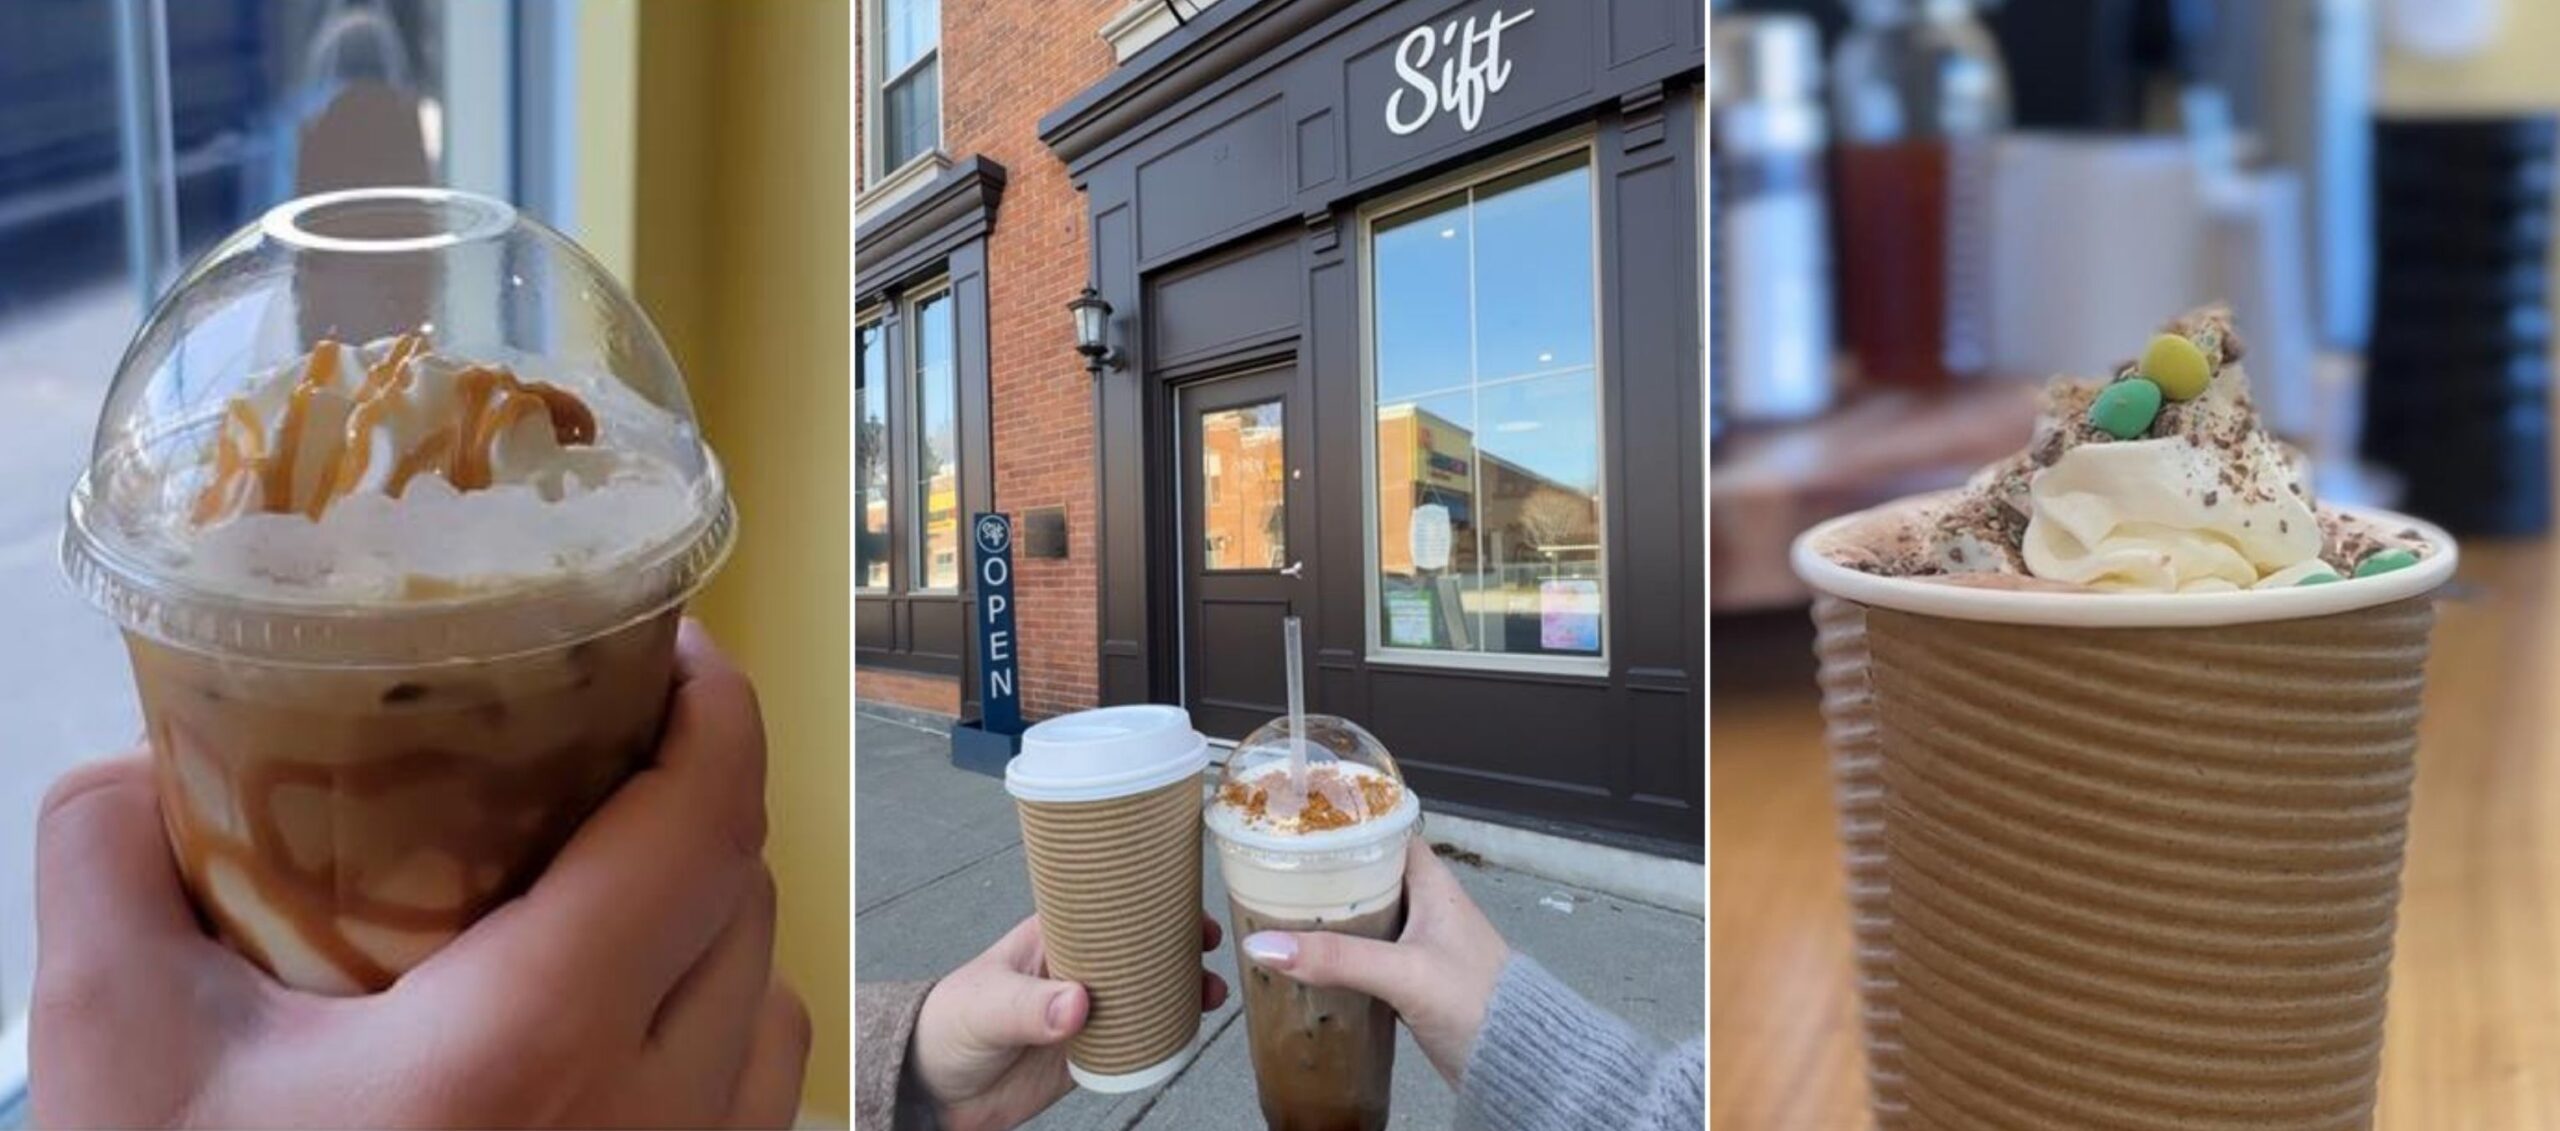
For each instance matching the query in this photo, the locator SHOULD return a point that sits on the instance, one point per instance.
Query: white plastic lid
(476, 283)
(1107, 752)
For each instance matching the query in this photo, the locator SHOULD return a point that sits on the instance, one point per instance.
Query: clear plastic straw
(1297, 708)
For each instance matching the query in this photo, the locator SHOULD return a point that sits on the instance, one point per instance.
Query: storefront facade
(1406, 335)
(1412, 352)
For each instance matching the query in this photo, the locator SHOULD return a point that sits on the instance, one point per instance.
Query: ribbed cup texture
(1857, 777)
(1118, 887)
(2145, 878)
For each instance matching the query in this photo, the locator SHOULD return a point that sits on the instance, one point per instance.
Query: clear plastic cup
(1331, 859)
(397, 497)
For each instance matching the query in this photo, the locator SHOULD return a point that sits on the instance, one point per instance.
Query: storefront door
(1244, 540)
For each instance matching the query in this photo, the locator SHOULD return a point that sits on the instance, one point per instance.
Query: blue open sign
(991, 553)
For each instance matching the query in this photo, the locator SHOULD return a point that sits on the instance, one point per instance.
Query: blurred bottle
(1771, 282)
(1917, 95)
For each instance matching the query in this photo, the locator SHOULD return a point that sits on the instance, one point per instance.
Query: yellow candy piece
(2177, 366)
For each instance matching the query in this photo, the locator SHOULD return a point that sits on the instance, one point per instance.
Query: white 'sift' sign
(1472, 69)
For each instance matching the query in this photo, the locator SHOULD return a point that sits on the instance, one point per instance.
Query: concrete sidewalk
(938, 875)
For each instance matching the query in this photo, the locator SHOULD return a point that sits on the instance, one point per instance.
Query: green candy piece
(2126, 409)
(2177, 366)
(2318, 579)
(2384, 561)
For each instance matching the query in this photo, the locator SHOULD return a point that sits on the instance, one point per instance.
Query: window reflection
(1421, 286)
(871, 458)
(1488, 412)
(937, 412)
(1243, 488)
(912, 91)
(1533, 271)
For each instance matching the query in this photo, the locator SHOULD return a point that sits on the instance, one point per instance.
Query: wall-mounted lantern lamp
(1093, 329)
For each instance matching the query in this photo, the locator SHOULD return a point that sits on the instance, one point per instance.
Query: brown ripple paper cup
(1110, 807)
(2136, 875)
(1857, 782)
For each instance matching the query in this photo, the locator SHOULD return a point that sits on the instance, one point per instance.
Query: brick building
(1403, 339)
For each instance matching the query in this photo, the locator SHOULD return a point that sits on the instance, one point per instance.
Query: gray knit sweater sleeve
(1546, 1060)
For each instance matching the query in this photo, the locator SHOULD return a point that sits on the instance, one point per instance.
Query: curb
(1656, 881)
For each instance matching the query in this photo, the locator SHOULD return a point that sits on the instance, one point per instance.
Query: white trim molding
(874, 199)
(1142, 22)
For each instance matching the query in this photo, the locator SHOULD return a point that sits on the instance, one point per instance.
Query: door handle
(1293, 569)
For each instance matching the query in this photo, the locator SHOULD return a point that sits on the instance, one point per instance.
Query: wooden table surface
(2473, 1040)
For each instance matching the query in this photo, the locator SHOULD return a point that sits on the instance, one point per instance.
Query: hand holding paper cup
(1109, 801)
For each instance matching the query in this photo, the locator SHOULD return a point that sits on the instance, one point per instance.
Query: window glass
(1538, 474)
(1426, 520)
(1243, 488)
(871, 457)
(915, 116)
(1487, 420)
(909, 83)
(936, 510)
(1422, 302)
(909, 29)
(261, 101)
(1532, 271)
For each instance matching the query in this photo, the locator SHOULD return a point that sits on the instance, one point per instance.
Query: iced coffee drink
(1323, 855)
(401, 610)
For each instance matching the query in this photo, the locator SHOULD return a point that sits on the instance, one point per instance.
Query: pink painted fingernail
(1271, 948)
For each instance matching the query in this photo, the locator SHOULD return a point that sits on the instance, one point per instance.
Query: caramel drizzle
(314, 901)
(492, 399)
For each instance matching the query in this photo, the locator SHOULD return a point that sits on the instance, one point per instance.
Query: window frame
(911, 381)
(875, 93)
(1583, 140)
(876, 319)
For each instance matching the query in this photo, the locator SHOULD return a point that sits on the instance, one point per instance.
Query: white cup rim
(2125, 610)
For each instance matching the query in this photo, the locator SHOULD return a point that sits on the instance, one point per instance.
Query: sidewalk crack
(1140, 1115)
(921, 885)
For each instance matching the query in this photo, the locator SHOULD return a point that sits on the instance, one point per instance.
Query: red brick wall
(1004, 64)
(939, 694)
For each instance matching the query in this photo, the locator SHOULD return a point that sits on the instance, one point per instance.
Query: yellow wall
(2515, 71)
(741, 250)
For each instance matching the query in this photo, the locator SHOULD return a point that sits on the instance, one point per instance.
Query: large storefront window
(871, 456)
(935, 515)
(1487, 419)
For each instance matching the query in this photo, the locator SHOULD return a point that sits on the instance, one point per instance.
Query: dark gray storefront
(1408, 299)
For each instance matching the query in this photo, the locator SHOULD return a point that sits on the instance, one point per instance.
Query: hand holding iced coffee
(402, 599)
(646, 952)
(1322, 852)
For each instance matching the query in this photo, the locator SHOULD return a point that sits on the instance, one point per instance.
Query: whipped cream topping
(2180, 496)
(2220, 506)
(393, 471)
